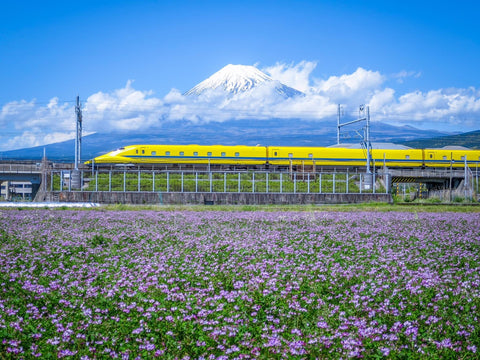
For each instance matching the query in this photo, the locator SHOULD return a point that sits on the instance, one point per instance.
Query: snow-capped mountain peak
(234, 79)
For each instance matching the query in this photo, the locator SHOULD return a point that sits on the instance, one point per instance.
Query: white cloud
(402, 75)
(123, 109)
(295, 76)
(382, 98)
(356, 88)
(28, 123)
(438, 108)
(36, 138)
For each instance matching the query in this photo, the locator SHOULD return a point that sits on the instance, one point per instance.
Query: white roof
(454, 147)
(383, 146)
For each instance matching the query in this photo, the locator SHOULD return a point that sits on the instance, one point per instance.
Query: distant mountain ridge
(236, 79)
(469, 140)
(273, 132)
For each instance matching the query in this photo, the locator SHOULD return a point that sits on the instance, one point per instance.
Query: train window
(444, 157)
(143, 151)
(181, 153)
(407, 157)
(209, 153)
(154, 153)
(195, 153)
(290, 155)
(275, 153)
(237, 154)
(431, 156)
(167, 153)
(463, 157)
(310, 156)
(223, 154)
(136, 151)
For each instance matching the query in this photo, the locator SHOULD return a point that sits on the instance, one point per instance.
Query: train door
(273, 155)
(142, 153)
(429, 158)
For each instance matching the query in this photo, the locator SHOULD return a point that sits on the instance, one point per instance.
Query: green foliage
(98, 240)
(221, 182)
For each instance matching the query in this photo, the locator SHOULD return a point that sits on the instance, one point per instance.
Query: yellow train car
(321, 156)
(336, 156)
(343, 157)
(451, 157)
(404, 158)
(185, 154)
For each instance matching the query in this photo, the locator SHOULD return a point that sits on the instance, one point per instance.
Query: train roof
(383, 146)
(454, 147)
(392, 146)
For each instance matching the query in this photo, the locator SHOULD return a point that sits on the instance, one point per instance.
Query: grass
(377, 207)
(219, 182)
(247, 284)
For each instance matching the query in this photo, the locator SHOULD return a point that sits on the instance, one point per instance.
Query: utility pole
(44, 170)
(368, 144)
(338, 125)
(78, 138)
(363, 115)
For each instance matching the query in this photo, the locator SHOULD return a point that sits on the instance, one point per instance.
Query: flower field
(239, 285)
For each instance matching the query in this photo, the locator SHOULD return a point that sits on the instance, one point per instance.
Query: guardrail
(428, 173)
(211, 182)
(17, 168)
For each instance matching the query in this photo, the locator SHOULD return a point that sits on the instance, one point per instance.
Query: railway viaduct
(21, 172)
(434, 178)
(35, 173)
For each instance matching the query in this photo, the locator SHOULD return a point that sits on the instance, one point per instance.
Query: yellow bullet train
(336, 156)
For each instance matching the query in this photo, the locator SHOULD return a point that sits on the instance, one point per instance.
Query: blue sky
(415, 62)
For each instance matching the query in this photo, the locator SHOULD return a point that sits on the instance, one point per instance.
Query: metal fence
(238, 182)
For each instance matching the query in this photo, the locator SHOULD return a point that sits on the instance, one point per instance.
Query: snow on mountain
(235, 79)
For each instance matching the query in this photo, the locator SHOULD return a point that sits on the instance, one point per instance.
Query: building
(16, 190)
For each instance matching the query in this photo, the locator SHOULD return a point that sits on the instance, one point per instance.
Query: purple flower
(297, 347)
(472, 348)
(273, 341)
(65, 352)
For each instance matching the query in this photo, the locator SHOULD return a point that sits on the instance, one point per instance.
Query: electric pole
(338, 123)
(363, 115)
(78, 138)
(368, 144)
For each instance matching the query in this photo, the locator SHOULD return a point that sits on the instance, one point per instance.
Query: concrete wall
(213, 198)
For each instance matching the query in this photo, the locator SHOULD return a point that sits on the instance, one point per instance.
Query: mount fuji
(237, 79)
(224, 91)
